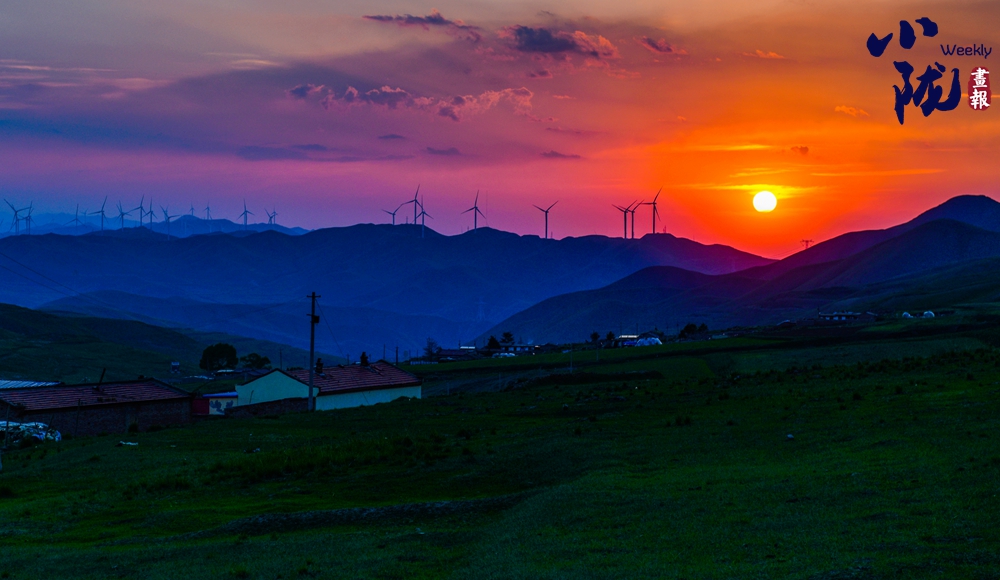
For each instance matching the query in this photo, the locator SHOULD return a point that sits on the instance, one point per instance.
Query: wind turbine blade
(553, 205)
(538, 208)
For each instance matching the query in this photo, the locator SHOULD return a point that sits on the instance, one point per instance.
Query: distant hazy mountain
(905, 259)
(380, 284)
(180, 227)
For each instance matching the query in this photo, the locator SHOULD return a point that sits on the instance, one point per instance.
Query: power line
(326, 320)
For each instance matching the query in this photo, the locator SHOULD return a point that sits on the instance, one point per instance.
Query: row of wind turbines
(418, 204)
(144, 213)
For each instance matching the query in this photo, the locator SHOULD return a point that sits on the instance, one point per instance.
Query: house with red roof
(92, 409)
(335, 387)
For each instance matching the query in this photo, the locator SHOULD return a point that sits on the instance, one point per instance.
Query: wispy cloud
(800, 149)
(852, 111)
(557, 155)
(755, 171)
(741, 147)
(659, 46)
(435, 20)
(762, 54)
(455, 108)
(886, 173)
(448, 151)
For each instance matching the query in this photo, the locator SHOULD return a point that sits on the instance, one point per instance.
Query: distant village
(38, 410)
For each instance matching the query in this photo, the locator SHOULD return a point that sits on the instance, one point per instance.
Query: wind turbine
(546, 212)
(475, 213)
(28, 219)
(101, 212)
(121, 215)
(166, 217)
(415, 205)
(271, 216)
(635, 205)
(76, 218)
(423, 215)
(245, 213)
(16, 226)
(141, 209)
(655, 212)
(393, 212)
(208, 216)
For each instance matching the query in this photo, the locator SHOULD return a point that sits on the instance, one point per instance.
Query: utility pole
(313, 321)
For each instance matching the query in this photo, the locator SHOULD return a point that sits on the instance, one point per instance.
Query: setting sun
(764, 201)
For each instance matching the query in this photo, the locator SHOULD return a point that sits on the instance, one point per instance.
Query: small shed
(337, 387)
(214, 404)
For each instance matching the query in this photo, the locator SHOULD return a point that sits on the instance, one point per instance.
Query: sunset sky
(331, 112)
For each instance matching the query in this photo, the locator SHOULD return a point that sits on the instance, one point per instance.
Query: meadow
(692, 460)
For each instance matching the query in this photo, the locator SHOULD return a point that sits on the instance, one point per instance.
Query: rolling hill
(931, 264)
(380, 284)
(45, 346)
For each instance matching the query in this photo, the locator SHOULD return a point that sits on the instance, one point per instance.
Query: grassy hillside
(44, 346)
(875, 469)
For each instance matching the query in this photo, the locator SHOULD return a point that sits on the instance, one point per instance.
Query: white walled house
(337, 387)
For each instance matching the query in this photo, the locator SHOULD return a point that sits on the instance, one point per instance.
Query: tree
(610, 336)
(703, 327)
(689, 329)
(493, 343)
(218, 356)
(595, 336)
(507, 338)
(255, 361)
(432, 348)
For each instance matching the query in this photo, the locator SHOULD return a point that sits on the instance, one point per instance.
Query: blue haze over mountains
(384, 285)
(380, 284)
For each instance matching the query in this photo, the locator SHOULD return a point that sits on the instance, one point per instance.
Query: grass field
(875, 469)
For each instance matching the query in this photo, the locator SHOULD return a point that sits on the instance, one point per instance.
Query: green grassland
(45, 346)
(675, 467)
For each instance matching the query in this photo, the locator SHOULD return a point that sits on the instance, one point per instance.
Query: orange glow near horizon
(711, 105)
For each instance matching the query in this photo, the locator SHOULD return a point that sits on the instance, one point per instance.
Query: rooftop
(13, 384)
(352, 378)
(89, 395)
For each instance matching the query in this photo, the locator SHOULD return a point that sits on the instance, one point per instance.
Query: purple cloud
(390, 136)
(448, 151)
(543, 40)
(435, 19)
(253, 153)
(660, 46)
(455, 108)
(541, 74)
(557, 155)
(303, 91)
